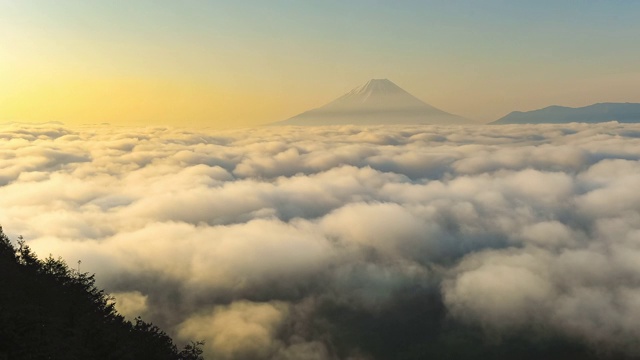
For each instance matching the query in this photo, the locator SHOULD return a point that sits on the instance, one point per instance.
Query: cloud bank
(344, 242)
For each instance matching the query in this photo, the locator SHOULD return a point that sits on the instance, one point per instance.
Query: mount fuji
(378, 102)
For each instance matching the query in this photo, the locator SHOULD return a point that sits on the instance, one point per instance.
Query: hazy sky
(222, 64)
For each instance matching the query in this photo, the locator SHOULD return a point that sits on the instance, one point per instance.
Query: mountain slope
(379, 101)
(602, 112)
(48, 311)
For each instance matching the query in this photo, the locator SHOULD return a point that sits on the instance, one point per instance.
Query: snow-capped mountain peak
(378, 101)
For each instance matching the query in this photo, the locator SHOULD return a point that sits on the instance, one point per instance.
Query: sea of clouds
(285, 243)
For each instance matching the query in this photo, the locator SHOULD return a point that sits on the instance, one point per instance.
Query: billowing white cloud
(250, 330)
(252, 239)
(130, 304)
(242, 329)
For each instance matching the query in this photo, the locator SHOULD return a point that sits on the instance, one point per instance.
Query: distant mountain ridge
(601, 112)
(379, 101)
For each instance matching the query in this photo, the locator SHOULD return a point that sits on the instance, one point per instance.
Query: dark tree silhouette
(48, 311)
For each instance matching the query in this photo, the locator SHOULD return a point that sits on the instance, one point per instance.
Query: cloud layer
(264, 242)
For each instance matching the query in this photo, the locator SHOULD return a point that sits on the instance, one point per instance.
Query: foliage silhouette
(49, 311)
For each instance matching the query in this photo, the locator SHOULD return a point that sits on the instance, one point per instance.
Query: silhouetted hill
(48, 311)
(603, 112)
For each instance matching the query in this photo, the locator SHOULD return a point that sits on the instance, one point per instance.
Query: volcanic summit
(378, 102)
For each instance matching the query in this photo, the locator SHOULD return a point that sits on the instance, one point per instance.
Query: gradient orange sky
(220, 64)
